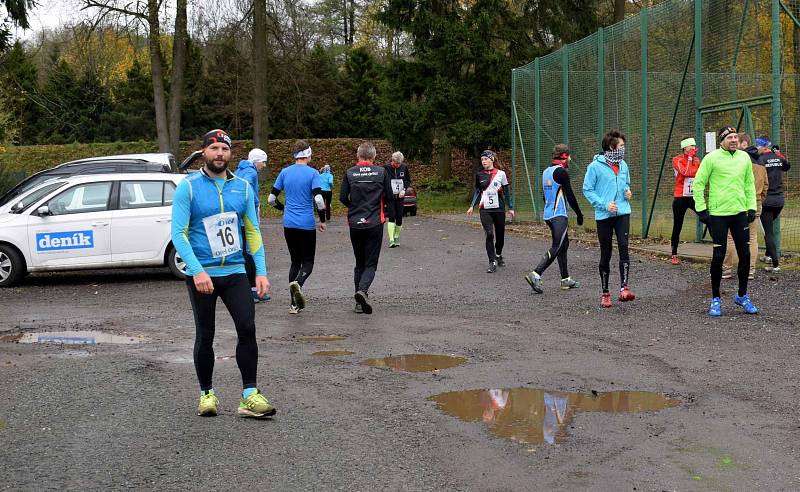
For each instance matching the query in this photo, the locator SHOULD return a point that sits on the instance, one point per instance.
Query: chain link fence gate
(676, 70)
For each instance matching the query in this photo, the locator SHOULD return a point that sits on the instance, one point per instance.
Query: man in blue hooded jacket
(607, 186)
(248, 170)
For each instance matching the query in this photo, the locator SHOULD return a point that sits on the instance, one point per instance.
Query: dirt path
(117, 416)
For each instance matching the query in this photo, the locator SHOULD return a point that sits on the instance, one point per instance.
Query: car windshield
(27, 186)
(34, 196)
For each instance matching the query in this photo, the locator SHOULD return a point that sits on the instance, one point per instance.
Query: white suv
(90, 221)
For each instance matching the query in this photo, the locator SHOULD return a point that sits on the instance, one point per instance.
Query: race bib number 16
(222, 231)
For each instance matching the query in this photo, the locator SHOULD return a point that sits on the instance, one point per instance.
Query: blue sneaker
(746, 303)
(716, 307)
(256, 299)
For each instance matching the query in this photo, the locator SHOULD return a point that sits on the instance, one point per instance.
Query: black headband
(725, 131)
(216, 136)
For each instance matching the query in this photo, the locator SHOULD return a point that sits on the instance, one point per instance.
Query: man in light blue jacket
(607, 186)
(248, 170)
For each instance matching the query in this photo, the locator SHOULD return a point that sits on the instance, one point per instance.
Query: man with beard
(213, 214)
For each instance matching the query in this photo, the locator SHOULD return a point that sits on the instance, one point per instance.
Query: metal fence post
(537, 145)
(645, 168)
(698, 92)
(775, 127)
(601, 76)
(565, 91)
(513, 135)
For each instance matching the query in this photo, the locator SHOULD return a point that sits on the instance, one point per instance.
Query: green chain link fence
(676, 70)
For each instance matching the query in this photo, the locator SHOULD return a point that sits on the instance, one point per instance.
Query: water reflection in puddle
(78, 338)
(536, 416)
(320, 338)
(333, 353)
(416, 362)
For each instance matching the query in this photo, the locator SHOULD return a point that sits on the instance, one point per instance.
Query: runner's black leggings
(234, 291)
(326, 196)
(558, 250)
(679, 207)
(396, 207)
(620, 226)
(367, 250)
(718, 226)
(302, 245)
(494, 225)
(768, 216)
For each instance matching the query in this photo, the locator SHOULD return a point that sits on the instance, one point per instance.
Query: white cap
(257, 155)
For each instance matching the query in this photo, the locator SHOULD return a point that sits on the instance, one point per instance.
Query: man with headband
(557, 192)
(303, 189)
(210, 210)
(728, 176)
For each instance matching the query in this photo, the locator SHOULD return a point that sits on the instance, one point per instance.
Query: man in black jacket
(365, 189)
(776, 166)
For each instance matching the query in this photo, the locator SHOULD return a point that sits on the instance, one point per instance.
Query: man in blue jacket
(248, 169)
(607, 186)
(210, 210)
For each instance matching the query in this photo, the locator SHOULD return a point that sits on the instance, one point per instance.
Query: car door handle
(161, 221)
(99, 224)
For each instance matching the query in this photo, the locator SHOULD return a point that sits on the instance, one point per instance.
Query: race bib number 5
(490, 199)
(687, 186)
(222, 231)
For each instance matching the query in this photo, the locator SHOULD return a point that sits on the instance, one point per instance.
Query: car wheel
(12, 266)
(176, 264)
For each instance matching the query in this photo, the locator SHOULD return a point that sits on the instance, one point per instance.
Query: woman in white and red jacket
(685, 165)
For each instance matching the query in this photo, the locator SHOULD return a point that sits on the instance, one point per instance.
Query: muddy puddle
(541, 416)
(321, 338)
(77, 338)
(333, 353)
(416, 362)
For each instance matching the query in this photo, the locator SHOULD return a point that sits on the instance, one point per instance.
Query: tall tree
(260, 80)
(179, 47)
(17, 12)
(619, 10)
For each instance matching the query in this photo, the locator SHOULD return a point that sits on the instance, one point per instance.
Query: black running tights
(618, 226)
(494, 225)
(234, 290)
(718, 226)
(558, 250)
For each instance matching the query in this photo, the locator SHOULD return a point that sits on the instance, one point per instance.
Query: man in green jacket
(731, 206)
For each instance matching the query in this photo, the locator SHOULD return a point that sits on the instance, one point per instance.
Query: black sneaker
(492, 267)
(362, 300)
(500, 261)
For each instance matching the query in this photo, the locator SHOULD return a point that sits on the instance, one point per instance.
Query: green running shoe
(256, 406)
(568, 283)
(208, 405)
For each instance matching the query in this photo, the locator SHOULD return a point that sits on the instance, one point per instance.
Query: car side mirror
(43, 211)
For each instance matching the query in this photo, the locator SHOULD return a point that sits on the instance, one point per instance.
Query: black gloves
(751, 216)
(703, 216)
(580, 219)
